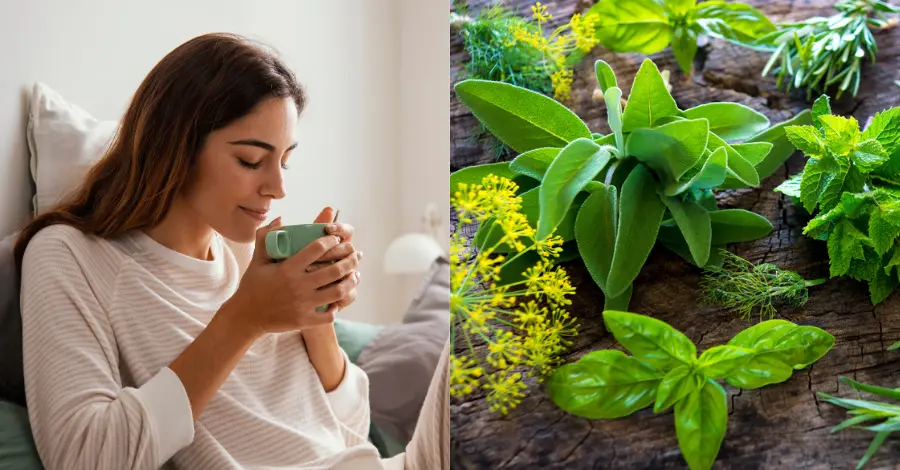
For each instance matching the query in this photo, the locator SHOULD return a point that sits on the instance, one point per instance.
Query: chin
(240, 233)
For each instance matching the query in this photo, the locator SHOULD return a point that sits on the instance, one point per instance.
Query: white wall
(347, 53)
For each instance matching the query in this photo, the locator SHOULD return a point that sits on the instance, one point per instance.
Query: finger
(331, 273)
(327, 215)
(311, 253)
(259, 251)
(341, 251)
(336, 292)
(350, 297)
(345, 231)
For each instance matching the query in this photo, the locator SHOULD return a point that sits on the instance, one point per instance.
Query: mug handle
(278, 244)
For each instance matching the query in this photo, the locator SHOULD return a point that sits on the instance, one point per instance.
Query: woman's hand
(343, 250)
(279, 297)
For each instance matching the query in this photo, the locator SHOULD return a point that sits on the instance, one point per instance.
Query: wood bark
(781, 426)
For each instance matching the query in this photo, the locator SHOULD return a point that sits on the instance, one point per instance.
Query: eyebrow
(260, 144)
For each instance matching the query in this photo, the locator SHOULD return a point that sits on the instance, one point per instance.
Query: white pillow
(64, 141)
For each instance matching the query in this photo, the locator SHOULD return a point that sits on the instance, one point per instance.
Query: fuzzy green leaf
(637, 232)
(737, 225)
(604, 384)
(807, 139)
(576, 165)
(606, 78)
(677, 384)
(753, 152)
(693, 221)
(730, 121)
(649, 99)
(671, 149)
(595, 233)
(521, 118)
(614, 115)
(845, 243)
(708, 173)
(732, 21)
(738, 166)
(701, 419)
(650, 340)
(782, 148)
(534, 163)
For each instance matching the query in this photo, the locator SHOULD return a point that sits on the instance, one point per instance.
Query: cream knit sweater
(102, 319)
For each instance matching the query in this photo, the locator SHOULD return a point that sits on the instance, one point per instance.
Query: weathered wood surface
(782, 426)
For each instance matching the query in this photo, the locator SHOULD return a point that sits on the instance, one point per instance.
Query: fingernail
(332, 228)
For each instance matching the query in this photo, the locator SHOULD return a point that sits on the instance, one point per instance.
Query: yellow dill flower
(583, 29)
(539, 12)
(506, 326)
(562, 84)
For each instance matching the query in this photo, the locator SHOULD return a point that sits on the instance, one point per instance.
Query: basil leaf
(649, 99)
(522, 119)
(677, 384)
(732, 21)
(678, 8)
(693, 221)
(730, 121)
(576, 165)
(534, 163)
(595, 233)
(737, 225)
(738, 166)
(637, 232)
(671, 149)
(650, 340)
(719, 361)
(779, 346)
(604, 384)
(631, 25)
(606, 78)
(684, 46)
(700, 423)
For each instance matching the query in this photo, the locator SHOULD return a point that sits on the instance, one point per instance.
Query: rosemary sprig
(879, 417)
(741, 286)
(820, 53)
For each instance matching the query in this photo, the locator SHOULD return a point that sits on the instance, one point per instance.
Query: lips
(258, 214)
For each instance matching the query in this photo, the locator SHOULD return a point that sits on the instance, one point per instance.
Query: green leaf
(650, 340)
(604, 384)
(791, 186)
(719, 361)
(821, 107)
(873, 447)
(881, 287)
(606, 78)
(614, 116)
(885, 128)
(576, 165)
(840, 133)
(730, 121)
(884, 226)
(631, 25)
(779, 347)
(475, 174)
(700, 423)
(812, 184)
(709, 175)
(693, 221)
(807, 139)
(522, 119)
(881, 391)
(595, 232)
(679, 7)
(531, 208)
(671, 149)
(754, 152)
(868, 155)
(782, 148)
(737, 225)
(679, 382)
(637, 232)
(845, 243)
(738, 166)
(684, 46)
(534, 163)
(619, 302)
(732, 21)
(649, 99)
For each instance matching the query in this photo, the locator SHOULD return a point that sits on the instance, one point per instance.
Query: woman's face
(240, 169)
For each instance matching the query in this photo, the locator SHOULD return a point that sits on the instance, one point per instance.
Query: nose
(273, 186)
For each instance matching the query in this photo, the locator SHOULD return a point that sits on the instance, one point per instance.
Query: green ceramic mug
(288, 240)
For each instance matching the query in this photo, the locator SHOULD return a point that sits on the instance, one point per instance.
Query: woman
(154, 336)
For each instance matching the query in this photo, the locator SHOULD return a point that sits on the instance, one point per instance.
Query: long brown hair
(202, 85)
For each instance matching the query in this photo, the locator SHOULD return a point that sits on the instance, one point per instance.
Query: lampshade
(411, 253)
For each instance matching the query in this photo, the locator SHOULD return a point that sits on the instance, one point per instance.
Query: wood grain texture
(782, 426)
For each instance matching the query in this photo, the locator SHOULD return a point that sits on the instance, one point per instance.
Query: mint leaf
(649, 99)
(791, 186)
(821, 107)
(812, 183)
(885, 128)
(881, 287)
(845, 243)
(884, 226)
(841, 134)
(868, 155)
(807, 139)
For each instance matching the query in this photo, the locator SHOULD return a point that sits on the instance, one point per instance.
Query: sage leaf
(606, 78)
(753, 152)
(637, 232)
(522, 119)
(730, 121)
(595, 233)
(694, 222)
(782, 148)
(650, 340)
(631, 25)
(604, 384)
(649, 99)
(700, 423)
(619, 302)
(534, 163)
(711, 174)
(614, 116)
(475, 174)
(576, 165)
(677, 384)
(719, 361)
(671, 149)
(531, 208)
(738, 166)
(737, 225)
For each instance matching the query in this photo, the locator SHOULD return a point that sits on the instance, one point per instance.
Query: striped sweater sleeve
(81, 415)
(349, 402)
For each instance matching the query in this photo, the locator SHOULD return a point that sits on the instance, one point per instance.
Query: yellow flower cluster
(578, 35)
(521, 327)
